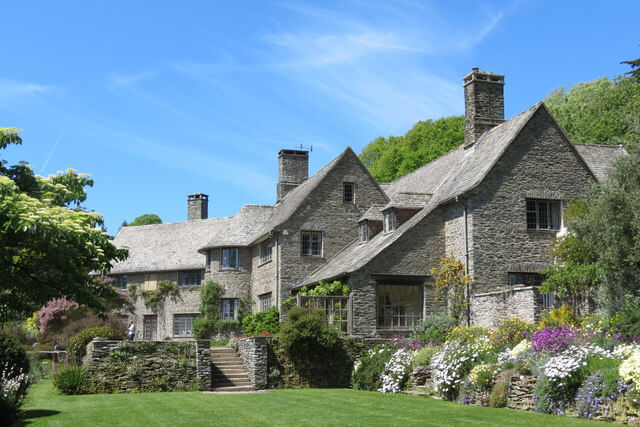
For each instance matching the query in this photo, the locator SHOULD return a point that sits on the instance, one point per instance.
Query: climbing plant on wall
(450, 283)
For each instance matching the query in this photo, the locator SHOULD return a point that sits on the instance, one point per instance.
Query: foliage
(401, 341)
(76, 346)
(483, 375)
(390, 158)
(396, 371)
(262, 321)
(307, 332)
(323, 288)
(154, 299)
(468, 334)
(55, 314)
(22, 332)
(627, 320)
(593, 393)
(48, 243)
(13, 358)
(70, 380)
(511, 331)
(554, 339)
(368, 370)
(562, 316)
(209, 323)
(635, 68)
(13, 389)
(499, 393)
(630, 368)
(450, 283)
(423, 356)
(433, 327)
(146, 219)
(601, 111)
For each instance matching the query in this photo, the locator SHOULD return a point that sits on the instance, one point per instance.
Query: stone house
(495, 203)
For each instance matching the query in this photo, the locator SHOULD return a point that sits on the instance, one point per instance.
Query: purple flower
(554, 339)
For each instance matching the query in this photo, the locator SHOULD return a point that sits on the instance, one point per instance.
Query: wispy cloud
(120, 81)
(12, 88)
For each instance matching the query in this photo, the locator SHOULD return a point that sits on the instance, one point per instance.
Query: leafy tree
(601, 111)
(390, 158)
(48, 243)
(145, 219)
(635, 68)
(602, 252)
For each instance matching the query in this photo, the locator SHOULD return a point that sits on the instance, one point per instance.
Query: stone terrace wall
(488, 309)
(120, 366)
(253, 352)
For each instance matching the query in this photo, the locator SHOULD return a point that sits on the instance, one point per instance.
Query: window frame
(532, 278)
(389, 220)
(265, 301)
(552, 213)
(265, 256)
(363, 230)
(351, 186)
(184, 279)
(118, 280)
(319, 244)
(237, 259)
(185, 331)
(233, 308)
(396, 310)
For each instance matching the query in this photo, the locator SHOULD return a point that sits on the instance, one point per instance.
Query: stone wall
(120, 366)
(520, 394)
(253, 352)
(236, 283)
(488, 309)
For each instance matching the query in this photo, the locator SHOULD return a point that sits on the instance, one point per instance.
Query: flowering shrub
(630, 368)
(434, 328)
(554, 339)
(13, 389)
(401, 341)
(483, 375)
(623, 351)
(511, 331)
(453, 362)
(423, 356)
(594, 392)
(562, 316)
(468, 333)
(56, 312)
(368, 370)
(396, 371)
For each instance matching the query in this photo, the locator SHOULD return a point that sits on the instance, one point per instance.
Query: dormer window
(364, 231)
(389, 220)
(348, 192)
(230, 259)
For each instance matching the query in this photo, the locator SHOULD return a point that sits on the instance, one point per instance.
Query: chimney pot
(293, 170)
(483, 103)
(197, 206)
(475, 69)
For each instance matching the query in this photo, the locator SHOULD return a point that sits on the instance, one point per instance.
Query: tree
(602, 252)
(635, 68)
(48, 242)
(601, 111)
(390, 158)
(145, 219)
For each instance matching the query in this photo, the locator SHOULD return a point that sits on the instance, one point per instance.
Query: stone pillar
(203, 364)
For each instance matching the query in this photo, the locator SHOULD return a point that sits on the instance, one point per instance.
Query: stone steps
(227, 371)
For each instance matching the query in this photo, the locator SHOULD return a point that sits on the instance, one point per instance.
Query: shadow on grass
(35, 413)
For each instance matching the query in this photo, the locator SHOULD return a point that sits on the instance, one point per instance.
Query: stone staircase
(227, 371)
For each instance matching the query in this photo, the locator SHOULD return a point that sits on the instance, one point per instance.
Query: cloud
(12, 89)
(119, 81)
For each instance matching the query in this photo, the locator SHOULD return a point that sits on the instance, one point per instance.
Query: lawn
(281, 407)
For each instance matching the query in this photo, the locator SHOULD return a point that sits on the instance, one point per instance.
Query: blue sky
(157, 100)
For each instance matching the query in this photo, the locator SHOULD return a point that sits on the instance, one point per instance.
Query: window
(150, 327)
(548, 301)
(120, 282)
(543, 214)
(389, 220)
(229, 259)
(183, 325)
(348, 192)
(527, 279)
(229, 308)
(399, 306)
(189, 278)
(265, 301)
(123, 318)
(265, 251)
(312, 243)
(364, 231)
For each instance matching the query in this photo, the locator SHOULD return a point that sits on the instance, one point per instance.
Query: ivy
(335, 288)
(154, 299)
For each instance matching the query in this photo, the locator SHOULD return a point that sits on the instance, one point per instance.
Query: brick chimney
(197, 206)
(293, 170)
(483, 103)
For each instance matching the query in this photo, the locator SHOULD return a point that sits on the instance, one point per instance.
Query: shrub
(307, 332)
(627, 321)
(433, 327)
(70, 380)
(424, 355)
(483, 375)
(13, 389)
(204, 328)
(510, 332)
(562, 316)
(396, 371)
(56, 313)
(21, 332)
(13, 358)
(368, 370)
(76, 347)
(467, 334)
(554, 339)
(500, 390)
(263, 321)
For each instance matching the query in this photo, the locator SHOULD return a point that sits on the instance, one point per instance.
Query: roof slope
(165, 247)
(241, 229)
(600, 158)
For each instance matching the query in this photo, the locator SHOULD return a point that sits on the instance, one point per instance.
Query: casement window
(189, 278)
(120, 281)
(229, 259)
(229, 308)
(266, 248)
(389, 220)
(183, 324)
(398, 306)
(348, 192)
(527, 279)
(265, 301)
(543, 214)
(549, 301)
(312, 243)
(364, 231)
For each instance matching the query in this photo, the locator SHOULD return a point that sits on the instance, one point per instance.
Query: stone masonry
(253, 352)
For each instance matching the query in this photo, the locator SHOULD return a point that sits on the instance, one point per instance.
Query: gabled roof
(600, 158)
(165, 247)
(241, 229)
(374, 213)
(447, 177)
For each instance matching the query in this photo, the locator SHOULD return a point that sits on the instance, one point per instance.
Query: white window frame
(229, 308)
(389, 220)
(352, 192)
(266, 301)
(541, 211)
(266, 251)
(233, 264)
(183, 324)
(364, 231)
(314, 247)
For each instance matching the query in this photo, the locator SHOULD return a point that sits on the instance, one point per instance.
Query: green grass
(318, 407)
(220, 343)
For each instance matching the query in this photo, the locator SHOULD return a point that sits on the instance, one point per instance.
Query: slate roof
(374, 213)
(600, 158)
(449, 176)
(241, 229)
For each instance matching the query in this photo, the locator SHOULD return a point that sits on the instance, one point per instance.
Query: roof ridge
(594, 144)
